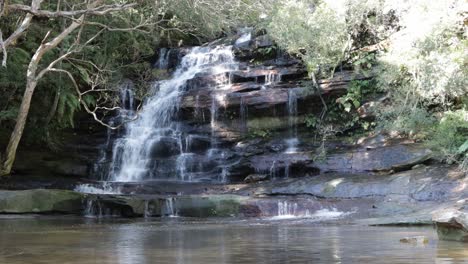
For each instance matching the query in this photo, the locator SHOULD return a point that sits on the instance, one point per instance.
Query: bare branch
(2, 7)
(98, 11)
(5, 54)
(135, 28)
(94, 111)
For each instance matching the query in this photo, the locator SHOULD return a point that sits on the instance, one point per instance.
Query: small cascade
(89, 209)
(147, 212)
(214, 117)
(273, 170)
(243, 115)
(126, 111)
(292, 141)
(169, 208)
(286, 170)
(183, 163)
(287, 210)
(198, 114)
(127, 96)
(224, 174)
(272, 78)
(105, 188)
(164, 57)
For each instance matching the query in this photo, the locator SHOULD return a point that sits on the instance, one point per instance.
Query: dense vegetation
(416, 53)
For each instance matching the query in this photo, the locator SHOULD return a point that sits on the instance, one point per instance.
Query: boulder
(452, 223)
(40, 201)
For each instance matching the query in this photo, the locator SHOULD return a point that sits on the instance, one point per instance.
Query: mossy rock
(209, 206)
(40, 201)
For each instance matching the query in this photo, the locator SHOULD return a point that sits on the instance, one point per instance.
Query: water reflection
(184, 241)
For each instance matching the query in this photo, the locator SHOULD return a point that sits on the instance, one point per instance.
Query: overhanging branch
(98, 11)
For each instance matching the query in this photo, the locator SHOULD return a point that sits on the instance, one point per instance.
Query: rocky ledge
(452, 223)
(409, 197)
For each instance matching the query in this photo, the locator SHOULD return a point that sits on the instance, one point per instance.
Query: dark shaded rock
(165, 147)
(262, 41)
(68, 167)
(256, 178)
(197, 144)
(250, 210)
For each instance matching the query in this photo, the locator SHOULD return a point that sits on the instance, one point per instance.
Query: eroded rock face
(452, 223)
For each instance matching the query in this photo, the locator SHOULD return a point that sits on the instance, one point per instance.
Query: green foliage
(311, 29)
(68, 104)
(208, 19)
(259, 133)
(8, 114)
(311, 121)
(449, 136)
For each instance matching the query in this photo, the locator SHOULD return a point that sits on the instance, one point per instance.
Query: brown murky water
(177, 240)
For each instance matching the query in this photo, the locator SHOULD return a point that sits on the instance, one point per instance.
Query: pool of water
(179, 240)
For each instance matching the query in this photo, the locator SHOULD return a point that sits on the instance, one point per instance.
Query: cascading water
(292, 141)
(164, 56)
(156, 129)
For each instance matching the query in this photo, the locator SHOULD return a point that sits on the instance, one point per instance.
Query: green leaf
(347, 107)
(463, 148)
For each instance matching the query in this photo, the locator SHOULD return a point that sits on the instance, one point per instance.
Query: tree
(78, 17)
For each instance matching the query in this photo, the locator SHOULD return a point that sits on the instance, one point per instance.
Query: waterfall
(169, 207)
(126, 111)
(273, 170)
(133, 154)
(146, 212)
(164, 57)
(272, 78)
(292, 141)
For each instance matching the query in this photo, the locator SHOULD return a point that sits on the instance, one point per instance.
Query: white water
(292, 141)
(164, 56)
(293, 210)
(105, 189)
(170, 208)
(131, 153)
(272, 78)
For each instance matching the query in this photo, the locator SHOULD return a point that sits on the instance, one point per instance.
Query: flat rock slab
(423, 184)
(386, 158)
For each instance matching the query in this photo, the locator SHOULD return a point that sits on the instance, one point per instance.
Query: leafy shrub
(449, 137)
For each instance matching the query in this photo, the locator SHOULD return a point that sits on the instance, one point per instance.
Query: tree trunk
(15, 137)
